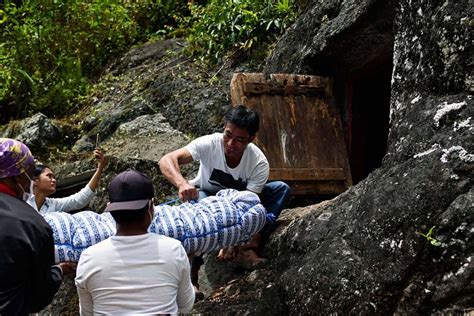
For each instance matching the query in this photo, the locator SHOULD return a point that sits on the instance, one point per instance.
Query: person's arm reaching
(169, 166)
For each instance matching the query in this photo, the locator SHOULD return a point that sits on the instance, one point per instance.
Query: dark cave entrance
(360, 61)
(367, 118)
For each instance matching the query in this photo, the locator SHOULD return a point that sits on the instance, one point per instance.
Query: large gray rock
(147, 137)
(366, 255)
(332, 36)
(137, 144)
(149, 81)
(37, 132)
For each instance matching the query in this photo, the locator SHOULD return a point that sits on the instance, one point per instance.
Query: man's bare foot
(222, 253)
(227, 253)
(249, 259)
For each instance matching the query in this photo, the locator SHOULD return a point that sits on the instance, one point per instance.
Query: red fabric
(7, 190)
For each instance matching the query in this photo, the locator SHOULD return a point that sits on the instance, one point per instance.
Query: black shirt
(28, 280)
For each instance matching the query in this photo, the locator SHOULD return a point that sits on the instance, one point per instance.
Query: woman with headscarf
(28, 276)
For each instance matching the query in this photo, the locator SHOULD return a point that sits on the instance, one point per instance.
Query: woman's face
(45, 183)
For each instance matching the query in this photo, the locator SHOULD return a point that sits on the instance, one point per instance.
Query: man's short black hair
(243, 117)
(129, 216)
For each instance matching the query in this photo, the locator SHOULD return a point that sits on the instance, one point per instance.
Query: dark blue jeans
(273, 198)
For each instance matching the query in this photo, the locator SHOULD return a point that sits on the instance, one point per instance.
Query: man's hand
(169, 166)
(101, 159)
(187, 192)
(68, 267)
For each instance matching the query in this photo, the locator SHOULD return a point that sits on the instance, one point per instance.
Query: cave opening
(367, 118)
(360, 61)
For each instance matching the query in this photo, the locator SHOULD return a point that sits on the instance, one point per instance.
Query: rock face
(157, 78)
(37, 132)
(399, 241)
(136, 144)
(367, 254)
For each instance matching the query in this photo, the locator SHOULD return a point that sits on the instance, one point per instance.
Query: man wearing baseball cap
(134, 272)
(28, 278)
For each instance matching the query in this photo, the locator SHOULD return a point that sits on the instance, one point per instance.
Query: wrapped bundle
(229, 218)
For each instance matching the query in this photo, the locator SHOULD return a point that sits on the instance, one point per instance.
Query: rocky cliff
(366, 254)
(400, 241)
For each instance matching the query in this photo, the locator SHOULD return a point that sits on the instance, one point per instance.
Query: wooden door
(300, 130)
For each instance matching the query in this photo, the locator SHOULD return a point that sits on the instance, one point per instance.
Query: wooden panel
(300, 128)
(304, 174)
(316, 188)
(251, 88)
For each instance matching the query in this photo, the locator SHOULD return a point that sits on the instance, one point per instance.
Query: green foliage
(156, 16)
(50, 50)
(429, 237)
(224, 25)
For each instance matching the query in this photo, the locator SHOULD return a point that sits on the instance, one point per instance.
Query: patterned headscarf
(15, 158)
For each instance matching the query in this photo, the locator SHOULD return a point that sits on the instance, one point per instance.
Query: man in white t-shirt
(134, 272)
(228, 160)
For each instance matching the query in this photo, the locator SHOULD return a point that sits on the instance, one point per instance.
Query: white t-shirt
(214, 174)
(142, 274)
(65, 204)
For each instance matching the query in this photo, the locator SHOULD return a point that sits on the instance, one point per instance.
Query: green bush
(51, 49)
(224, 25)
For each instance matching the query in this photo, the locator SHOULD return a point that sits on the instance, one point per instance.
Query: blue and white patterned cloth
(75, 232)
(229, 218)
